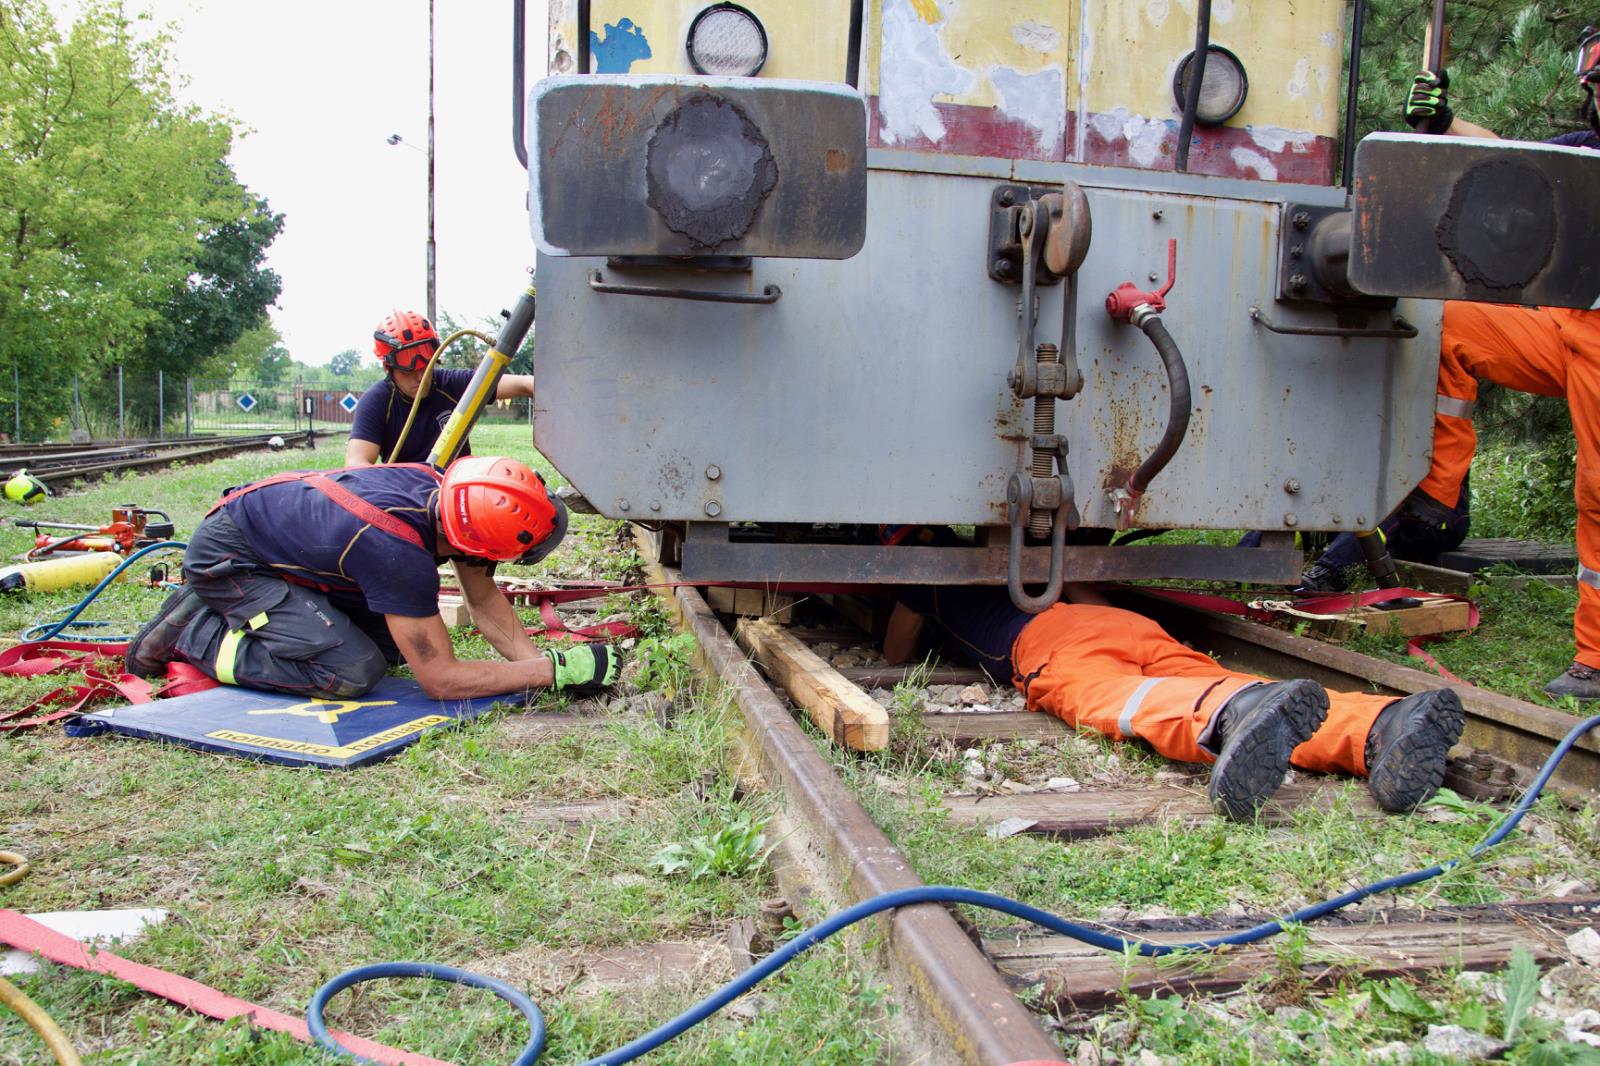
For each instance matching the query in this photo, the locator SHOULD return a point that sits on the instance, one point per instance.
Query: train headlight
(1222, 92)
(726, 39)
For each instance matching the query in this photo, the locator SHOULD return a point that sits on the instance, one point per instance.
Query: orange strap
(349, 501)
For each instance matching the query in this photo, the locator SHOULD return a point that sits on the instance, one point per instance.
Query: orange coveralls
(1550, 351)
(1120, 673)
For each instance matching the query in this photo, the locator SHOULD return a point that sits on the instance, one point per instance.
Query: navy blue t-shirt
(1577, 139)
(299, 530)
(382, 411)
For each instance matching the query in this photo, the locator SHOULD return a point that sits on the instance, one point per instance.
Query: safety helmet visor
(1586, 64)
(404, 356)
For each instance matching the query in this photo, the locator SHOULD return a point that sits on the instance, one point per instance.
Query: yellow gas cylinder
(54, 574)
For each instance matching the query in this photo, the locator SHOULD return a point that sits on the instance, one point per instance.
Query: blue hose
(903, 898)
(47, 630)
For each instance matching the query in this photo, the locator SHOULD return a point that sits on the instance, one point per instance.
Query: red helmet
(405, 339)
(497, 508)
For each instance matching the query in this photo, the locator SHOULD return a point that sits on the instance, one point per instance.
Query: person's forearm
(1462, 128)
(464, 679)
(497, 620)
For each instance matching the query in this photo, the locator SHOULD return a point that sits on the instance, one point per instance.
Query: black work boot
(1578, 681)
(156, 644)
(1257, 730)
(1407, 745)
(1318, 578)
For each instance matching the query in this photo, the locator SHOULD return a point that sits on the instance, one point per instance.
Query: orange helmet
(497, 508)
(405, 339)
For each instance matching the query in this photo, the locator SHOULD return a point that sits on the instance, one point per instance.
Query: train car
(810, 274)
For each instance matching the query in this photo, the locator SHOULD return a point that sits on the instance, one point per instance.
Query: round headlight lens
(726, 39)
(1222, 92)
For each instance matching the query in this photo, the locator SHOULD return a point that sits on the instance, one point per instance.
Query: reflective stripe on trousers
(1134, 702)
(228, 650)
(1449, 405)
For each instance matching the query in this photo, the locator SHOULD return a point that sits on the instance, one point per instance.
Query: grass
(276, 878)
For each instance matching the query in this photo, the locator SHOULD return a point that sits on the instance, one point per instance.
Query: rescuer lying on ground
(1417, 531)
(1099, 667)
(1550, 351)
(405, 342)
(315, 583)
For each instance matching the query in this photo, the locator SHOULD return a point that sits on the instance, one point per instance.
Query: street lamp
(395, 138)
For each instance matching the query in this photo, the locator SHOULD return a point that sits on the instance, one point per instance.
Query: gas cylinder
(51, 575)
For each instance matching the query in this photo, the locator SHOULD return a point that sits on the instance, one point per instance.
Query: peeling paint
(1145, 136)
(1248, 159)
(1037, 100)
(928, 11)
(1276, 138)
(1036, 36)
(915, 68)
(1157, 10)
(1330, 40)
(1222, 11)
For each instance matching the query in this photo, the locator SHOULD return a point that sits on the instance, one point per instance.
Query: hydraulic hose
(47, 630)
(427, 382)
(928, 894)
(1197, 76)
(55, 1041)
(1178, 417)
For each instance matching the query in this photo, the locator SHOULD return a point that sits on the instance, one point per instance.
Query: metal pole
(188, 406)
(122, 412)
(16, 398)
(77, 404)
(161, 404)
(433, 302)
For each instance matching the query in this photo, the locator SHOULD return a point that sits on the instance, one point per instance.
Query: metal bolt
(1002, 266)
(1338, 521)
(1156, 214)
(1301, 219)
(713, 471)
(713, 508)
(1007, 197)
(624, 505)
(1297, 250)
(1291, 519)
(1153, 276)
(655, 505)
(1291, 486)
(1298, 282)
(1361, 520)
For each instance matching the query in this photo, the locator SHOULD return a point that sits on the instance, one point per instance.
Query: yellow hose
(11, 858)
(427, 380)
(54, 1039)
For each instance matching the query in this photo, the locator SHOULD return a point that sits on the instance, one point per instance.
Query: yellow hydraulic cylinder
(51, 575)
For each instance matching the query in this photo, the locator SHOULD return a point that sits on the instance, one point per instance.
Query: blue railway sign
(246, 402)
(348, 403)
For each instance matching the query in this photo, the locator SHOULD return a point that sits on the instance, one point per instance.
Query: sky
(322, 85)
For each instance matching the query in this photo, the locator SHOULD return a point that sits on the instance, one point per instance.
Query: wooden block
(1431, 616)
(1075, 815)
(753, 603)
(839, 708)
(1006, 725)
(866, 616)
(453, 609)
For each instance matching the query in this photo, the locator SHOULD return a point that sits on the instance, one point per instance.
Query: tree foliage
(345, 363)
(125, 239)
(468, 350)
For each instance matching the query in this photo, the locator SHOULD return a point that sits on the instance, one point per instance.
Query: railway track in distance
(960, 992)
(61, 465)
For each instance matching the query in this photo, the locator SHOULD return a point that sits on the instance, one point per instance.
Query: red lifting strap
(349, 501)
(100, 670)
(25, 934)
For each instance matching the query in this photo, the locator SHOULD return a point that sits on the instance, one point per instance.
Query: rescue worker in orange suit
(1550, 351)
(315, 583)
(405, 342)
(1099, 667)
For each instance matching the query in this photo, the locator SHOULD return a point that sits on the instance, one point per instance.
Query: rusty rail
(955, 989)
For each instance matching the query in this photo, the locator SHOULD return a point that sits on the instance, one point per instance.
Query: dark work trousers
(260, 631)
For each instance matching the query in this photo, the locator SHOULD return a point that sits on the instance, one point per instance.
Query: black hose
(1178, 419)
(1358, 21)
(1197, 76)
(519, 83)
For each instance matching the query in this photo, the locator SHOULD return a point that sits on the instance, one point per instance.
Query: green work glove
(583, 668)
(1428, 104)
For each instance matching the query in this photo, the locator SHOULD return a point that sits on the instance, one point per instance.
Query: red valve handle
(1122, 301)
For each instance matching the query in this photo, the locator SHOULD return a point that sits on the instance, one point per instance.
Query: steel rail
(955, 988)
(1521, 733)
(176, 453)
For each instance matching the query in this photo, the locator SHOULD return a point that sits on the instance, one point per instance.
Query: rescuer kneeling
(1099, 667)
(316, 583)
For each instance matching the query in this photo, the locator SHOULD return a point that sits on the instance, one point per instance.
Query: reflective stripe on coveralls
(1548, 351)
(1449, 405)
(1120, 674)
(228, 650)
(1589, 577)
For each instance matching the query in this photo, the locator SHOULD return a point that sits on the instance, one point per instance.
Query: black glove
(1428, 105)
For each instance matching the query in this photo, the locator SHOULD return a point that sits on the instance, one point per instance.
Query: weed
(665, 663)
(737, 848)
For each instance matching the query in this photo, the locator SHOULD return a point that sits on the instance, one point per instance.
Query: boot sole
(173, 617)
(1411, 769)
(1255, 759)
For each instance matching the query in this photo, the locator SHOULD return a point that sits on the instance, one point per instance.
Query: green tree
(273, 366)
(466, 352)
(110, 187)
(345, 363)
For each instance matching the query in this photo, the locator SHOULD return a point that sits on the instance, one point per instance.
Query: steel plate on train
(634, 165)
(1454, 218)
(292, 730)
